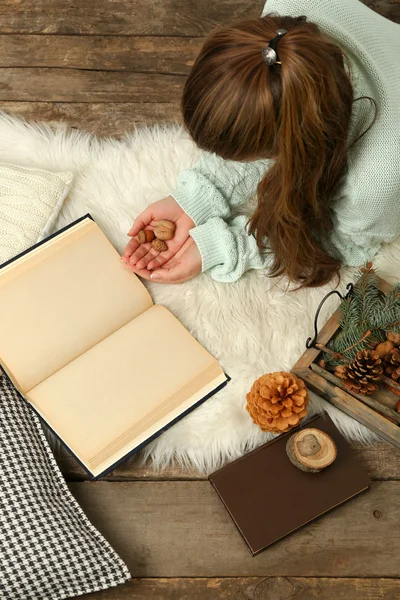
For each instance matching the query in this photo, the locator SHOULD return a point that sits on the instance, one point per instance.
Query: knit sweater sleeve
(227, 250)
(355, 250)
(214, 186)
(354, 240)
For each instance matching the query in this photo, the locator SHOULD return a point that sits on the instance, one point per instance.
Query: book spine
(160, 431)
(134, 450)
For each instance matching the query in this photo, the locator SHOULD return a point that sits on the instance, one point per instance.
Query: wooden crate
(331, 388)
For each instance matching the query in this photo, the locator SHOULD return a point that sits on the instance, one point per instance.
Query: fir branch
(350, 342)
(366, 296)
(393, 326)
(393, 297)
(390, 310)
(364, 337)
(366, 309)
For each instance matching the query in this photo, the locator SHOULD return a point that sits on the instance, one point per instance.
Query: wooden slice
(311, 450)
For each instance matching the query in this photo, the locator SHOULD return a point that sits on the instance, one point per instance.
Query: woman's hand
(185, 265)
(143, 256)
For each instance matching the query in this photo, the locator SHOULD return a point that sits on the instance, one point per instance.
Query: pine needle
(367, 309)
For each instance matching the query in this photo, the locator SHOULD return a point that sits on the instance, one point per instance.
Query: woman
(303, 112)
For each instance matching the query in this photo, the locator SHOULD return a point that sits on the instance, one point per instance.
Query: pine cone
(359, 375)
(277, 401)
(391, 364)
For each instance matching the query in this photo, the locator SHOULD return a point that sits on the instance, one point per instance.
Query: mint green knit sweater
(366, 211)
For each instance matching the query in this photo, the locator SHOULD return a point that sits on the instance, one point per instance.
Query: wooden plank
(123, 17)
(138, 54)
(138, 17)
(101, 118)
(387, 8)
(254, 588)
(380, 460)
(131, 470)
(72, 85)
(370, 401)
(181, 529)
(376, 422)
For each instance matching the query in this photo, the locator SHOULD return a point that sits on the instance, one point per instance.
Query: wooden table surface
(105, 66)
(179, 542)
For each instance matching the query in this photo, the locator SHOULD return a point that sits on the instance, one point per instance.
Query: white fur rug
(252, 327)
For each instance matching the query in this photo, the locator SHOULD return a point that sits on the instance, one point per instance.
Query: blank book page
(128, 381)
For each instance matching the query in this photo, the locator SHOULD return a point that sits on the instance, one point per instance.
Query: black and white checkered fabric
(48, 548)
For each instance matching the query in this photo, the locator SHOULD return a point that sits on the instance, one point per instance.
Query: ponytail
(294, 197)
(297, 113)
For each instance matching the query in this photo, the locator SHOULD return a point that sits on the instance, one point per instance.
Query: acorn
(145, 235)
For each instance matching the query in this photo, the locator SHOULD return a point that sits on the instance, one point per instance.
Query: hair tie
(269, 53)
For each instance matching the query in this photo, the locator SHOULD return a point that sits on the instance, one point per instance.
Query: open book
(83, 343)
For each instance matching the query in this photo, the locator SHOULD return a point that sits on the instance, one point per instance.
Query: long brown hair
(297, 113)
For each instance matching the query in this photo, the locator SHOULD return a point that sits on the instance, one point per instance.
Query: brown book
(268, 497)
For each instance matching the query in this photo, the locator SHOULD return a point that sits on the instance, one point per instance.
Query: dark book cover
(264, 481)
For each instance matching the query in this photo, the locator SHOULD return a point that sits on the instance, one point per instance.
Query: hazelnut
(159, 245)
(384, 348)
(145, 235)
(164, 230)
(393, 337)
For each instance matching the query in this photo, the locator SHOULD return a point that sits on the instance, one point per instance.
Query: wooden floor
(106, 65)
